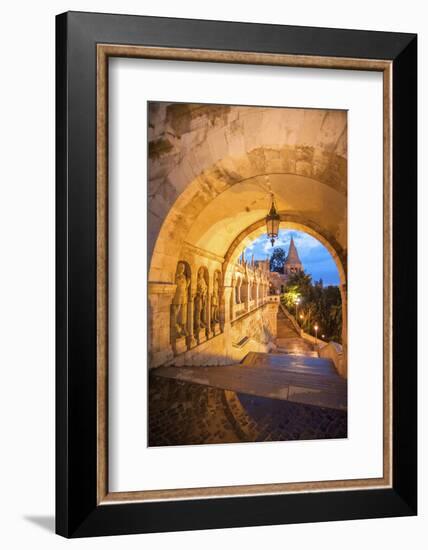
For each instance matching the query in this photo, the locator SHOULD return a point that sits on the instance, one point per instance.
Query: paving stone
(241, 418)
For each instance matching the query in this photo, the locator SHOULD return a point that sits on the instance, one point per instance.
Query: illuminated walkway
(279, 396)
(189, 413)
(294, 373)
(289, 341)
(299, 379)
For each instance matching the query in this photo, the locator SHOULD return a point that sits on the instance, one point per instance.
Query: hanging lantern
(272, 223)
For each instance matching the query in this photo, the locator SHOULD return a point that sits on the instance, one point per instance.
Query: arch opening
(208, 203)
(213, 170)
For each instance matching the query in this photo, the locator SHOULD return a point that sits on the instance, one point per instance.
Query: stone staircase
(294, 373)
(294, 378)
(289, 341)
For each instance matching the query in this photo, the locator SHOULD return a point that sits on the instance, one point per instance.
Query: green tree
(303, 282)
(290, 295)
(276, 262)
(318, 304)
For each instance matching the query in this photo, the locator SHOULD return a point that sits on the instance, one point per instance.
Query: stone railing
(239, 309)
(299, 330)
(334, 351)
(243, 308)
(291, 318)
(329, 350)
(255, 331)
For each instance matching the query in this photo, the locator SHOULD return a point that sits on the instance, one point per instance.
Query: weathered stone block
(180, 345)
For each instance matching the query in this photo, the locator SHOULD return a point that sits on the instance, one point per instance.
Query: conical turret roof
(292, 256)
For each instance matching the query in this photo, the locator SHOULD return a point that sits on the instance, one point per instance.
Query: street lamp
(272, 223)
(316, 334)
(297, 302)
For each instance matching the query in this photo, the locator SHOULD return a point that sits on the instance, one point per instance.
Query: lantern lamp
(272, 223)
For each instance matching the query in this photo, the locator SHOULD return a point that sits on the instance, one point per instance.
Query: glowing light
(272, 223)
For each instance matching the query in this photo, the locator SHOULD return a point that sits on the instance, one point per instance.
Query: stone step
(288, 361)
(300, 353)
(288, 339)
(293, 343)
(300, 379)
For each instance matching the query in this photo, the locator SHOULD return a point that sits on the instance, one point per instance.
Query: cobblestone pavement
(183, 413)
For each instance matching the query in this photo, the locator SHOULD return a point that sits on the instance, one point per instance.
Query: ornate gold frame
(104, 52)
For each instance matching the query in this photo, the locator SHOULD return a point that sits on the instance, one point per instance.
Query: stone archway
(293, 221)
(210, 217)
(211, 172)
(207, 232)
(200, 154)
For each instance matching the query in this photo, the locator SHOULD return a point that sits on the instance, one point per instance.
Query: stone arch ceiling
(241, 205)
(211, 169)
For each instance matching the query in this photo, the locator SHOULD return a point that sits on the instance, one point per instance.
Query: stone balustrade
(334, 351)
(198, 308)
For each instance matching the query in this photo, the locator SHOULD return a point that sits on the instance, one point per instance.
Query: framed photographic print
(236, 274)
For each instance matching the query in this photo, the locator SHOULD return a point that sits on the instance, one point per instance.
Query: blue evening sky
(316, 259)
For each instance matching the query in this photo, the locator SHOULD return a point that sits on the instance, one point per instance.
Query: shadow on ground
(44, 522)
(182, 413)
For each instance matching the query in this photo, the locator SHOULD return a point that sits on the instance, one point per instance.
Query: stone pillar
(160, 297)
(190, 340)
(247, 295)
(272, 315)
(344, 298)
(226, 312)
(232, 300)
(208, 329)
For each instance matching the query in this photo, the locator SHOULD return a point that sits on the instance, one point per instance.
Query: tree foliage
(277, 260)
(318, 304)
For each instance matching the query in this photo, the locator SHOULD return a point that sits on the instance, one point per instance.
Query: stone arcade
(212, 170)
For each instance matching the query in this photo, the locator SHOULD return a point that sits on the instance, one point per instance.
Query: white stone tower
(292, 263)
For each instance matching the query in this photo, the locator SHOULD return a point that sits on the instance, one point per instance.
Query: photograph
(247, 273)
(213, 265)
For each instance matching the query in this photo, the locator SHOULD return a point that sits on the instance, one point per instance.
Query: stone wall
(254, 331)
(200, 321)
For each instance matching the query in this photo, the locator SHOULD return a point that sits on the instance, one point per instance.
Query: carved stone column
(226, 311)
(208, 315)
(247, 295)
(190, 340)
(160, 297)
(201, 316)
(232, 300)
(344, 297)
